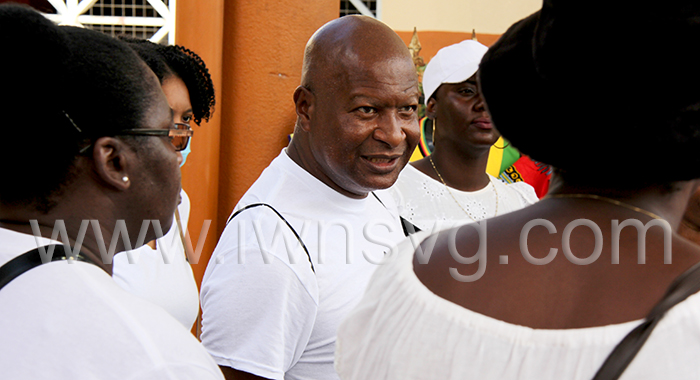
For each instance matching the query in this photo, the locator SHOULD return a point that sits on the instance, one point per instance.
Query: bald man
(304, 240)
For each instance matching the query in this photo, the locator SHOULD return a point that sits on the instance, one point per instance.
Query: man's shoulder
(267, 184)
(279, 185)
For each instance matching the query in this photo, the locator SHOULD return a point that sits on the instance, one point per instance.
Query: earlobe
(431, 108)
(303, 103)
(112, 162)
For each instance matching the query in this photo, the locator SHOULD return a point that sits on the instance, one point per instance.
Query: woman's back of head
(63, 88)
(615, 104)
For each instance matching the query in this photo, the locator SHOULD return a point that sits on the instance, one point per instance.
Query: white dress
(401, 330)
(426, 202)
(162, 275)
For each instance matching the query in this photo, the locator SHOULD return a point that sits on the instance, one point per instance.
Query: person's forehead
(376, 68)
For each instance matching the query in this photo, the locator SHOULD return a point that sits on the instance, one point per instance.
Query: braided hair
(176, 60)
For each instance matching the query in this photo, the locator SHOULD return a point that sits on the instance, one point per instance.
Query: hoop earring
(433, 136)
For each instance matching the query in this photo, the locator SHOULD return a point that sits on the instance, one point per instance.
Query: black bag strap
(253, 205)
(408, 227)
(622, 355)
(32, 259)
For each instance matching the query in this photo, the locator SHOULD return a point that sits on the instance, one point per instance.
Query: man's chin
(382, 183)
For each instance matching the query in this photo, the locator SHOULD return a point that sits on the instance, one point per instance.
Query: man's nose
(390, 130)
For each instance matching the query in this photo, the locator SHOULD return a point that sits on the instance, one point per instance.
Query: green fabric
(510, 155)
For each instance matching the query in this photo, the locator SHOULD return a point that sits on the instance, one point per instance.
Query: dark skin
(356, 111)
(690, 225)
(99, 192)
(463, 136)
(562, 295)
(234, 374)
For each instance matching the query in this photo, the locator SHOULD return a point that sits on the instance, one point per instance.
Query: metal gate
(151, 19)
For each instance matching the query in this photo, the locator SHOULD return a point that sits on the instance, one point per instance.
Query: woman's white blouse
(401, 330)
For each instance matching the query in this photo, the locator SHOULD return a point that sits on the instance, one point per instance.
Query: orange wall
(200, 27)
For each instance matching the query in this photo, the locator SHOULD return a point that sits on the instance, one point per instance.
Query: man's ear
(304, 104)
(111, 160)
(431, 108)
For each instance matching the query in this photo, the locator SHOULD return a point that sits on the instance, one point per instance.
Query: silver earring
(125, 179)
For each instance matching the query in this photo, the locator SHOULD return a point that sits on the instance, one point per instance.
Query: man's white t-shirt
(70, 320)
(265, 311)
(162, 275)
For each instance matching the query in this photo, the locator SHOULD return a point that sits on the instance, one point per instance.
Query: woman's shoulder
(425, 324)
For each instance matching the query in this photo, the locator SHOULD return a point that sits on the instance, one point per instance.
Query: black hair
(61, 88)
(626, 116)
(166, 61)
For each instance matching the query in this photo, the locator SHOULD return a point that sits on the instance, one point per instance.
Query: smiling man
(304, 240)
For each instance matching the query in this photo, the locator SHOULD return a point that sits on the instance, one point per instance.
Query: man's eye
(467, 91)
(367, 110)
(408, 109)
(186, 119)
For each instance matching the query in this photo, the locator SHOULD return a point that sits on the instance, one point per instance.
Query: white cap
(452, 64)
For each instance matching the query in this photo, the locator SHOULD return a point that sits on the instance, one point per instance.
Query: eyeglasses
(179, 135)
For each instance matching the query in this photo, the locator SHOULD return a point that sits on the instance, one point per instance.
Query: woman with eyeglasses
(90, 163)
(187, 85)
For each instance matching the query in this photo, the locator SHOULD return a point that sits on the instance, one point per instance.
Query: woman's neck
(76, 231)
(668, 204)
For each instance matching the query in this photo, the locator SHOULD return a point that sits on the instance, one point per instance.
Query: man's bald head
(349, 40)
(356, 107)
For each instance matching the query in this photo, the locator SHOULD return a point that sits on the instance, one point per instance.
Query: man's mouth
(382, 163)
